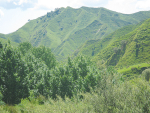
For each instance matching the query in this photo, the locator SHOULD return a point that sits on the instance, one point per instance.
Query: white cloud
(128, 6)
(13, 4)
(52, 4)
(143, 4)
(123, 6)
(1, 14)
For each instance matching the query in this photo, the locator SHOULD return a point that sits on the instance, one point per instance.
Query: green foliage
(125, 97)
(21, 73)
(13, 72)
(78, 75)
(33, 69)
(146, 74)
(24, 47)
(38, 75)
(133, 71)
(111, 95)
(1, 46)
(45, 55)
(1, 97)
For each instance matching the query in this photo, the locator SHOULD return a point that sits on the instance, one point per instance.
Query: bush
(1, 102)
(146, 74)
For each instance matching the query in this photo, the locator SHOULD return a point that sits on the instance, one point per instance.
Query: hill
(66, 29)
(127, 46)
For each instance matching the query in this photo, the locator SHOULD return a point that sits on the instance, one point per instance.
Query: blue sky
(15, 13)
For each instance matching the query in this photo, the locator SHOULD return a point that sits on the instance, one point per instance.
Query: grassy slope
(93, 47)
(131, 60)
(66, 29)
(136, 50)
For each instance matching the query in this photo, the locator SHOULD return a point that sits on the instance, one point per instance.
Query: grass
(128, 68)
(50, 106)
(133, 71)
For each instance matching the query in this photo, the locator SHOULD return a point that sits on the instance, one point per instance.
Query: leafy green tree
(12, 74)
(123, 44)
(82, 64)
(90, 82)
(77, 75)
(38, 75)
(66, 88)
(45, 54)
(24, 47)
(1, 46)
(1, 97)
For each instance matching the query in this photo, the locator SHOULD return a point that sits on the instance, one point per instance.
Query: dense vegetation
(32, 79)
(33, 69)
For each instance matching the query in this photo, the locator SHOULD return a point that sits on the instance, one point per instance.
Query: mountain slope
(125, 50)
(93, 47)
(66, 29)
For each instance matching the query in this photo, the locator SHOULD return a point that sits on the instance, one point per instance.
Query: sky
(16, 13)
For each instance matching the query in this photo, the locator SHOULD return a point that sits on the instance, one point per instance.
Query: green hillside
(66, 29)
(125, 47)
(92, 47)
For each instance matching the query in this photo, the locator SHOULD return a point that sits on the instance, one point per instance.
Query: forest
(32, 80)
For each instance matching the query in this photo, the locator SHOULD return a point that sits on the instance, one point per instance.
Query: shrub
(146, 74)
(1, 102)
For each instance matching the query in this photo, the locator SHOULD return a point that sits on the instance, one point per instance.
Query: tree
(38, 76)
(12, 74)
(46, 55)
(24, 47)
(1, 102)
(1, 46)
(123, 44)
